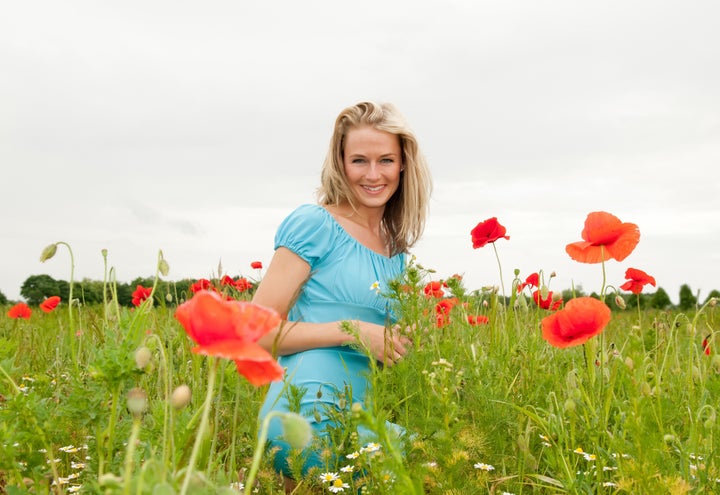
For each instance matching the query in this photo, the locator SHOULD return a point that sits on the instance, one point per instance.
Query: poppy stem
(203, 425)
(502, 284)
(259, 448)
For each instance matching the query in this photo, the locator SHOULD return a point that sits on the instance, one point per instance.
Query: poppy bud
(168, 297)
(181, 396)
(137, 401)
(713, 302)
(48, 252)
(296, 430)
(569, 406)
(620, 302)
(163, 267)
(553, 274)
(142, 357)
(629, 363)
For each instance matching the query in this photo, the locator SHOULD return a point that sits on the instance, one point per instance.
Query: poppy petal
(581, 319)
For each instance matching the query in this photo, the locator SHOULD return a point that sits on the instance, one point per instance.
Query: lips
(373, 189)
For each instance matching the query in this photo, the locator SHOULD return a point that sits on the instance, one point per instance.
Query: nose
(373, 171)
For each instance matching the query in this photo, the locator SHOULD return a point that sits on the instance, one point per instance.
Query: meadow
(109, 399)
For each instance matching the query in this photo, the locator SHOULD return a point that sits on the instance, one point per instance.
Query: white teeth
(376, 188)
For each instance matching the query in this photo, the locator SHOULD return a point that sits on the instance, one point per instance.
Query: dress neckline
(350, 236)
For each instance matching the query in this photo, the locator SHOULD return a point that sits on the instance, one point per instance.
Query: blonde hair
(405, 212)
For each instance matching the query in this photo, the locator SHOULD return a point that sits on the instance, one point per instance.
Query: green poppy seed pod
(630, 363)
(544, 291)
(296, 430)
(620, 302)
(168, 297)
(569, 406)
(137, 401)
(709, 423)
(357, 407)
(181, 396)
(516, 271)
(142, 357)
(48, 252)
(716, 363)
(645, 389)
(668, 438)
(713, 302)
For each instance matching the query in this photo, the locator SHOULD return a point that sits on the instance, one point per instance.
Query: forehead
(368, 137)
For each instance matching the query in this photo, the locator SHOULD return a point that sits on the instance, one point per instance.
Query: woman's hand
(387, 345)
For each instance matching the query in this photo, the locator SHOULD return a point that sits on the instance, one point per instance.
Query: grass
(489, 408)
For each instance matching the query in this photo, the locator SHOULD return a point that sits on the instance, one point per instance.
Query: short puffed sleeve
(309, 232)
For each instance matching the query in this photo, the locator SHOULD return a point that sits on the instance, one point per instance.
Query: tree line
(36, 288)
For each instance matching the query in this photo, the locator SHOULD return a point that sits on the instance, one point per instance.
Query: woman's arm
(283, 280)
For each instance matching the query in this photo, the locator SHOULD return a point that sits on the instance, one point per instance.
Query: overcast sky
(194, 127)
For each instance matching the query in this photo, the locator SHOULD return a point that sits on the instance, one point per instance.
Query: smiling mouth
(373, 188)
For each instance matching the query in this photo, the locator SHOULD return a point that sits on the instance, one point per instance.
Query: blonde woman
(333, 260)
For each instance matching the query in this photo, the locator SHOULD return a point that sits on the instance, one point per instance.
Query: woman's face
(373, 162)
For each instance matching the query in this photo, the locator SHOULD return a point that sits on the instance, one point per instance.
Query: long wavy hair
(405, 213)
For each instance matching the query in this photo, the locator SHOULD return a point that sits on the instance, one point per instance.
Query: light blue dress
(344, 275)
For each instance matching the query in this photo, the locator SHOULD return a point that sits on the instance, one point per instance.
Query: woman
(331, 263)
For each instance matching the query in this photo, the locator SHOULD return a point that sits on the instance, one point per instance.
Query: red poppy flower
(637, 279)
(533, 280)
(227, 280)
(581, 319)
(20, 310)
(257, 265)
(242, 284)
(445, 305)
(201, 284)
(50, 303)
(478, 319)
(441, 319)
(548, 302)
(230, 329)
(488, 231)
(706, 345)
(140, 294)
(605, 237)
(434, 289)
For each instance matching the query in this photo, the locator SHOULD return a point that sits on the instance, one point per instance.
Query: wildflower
(140, 294)
(533, 280)
(20, 310)
(353, 455)
(478, 319)
(484, 467)
(375, 286)
(347, 469)
(338, 485)
(706, 345)
(609, 484)
(227, 280)
(78, 465)
(547, 302)
(487, 231)
(637, 279)
(237, 485)
(242, 284)
(434, 288)
(371, 447)
(328, 477)
(590, 457)
(256, 265)
(50, 304)
(581, 319)
(604, 237)
(579, 450)
(70, 449)
(620, 302)
(230, 329)
(201, 284)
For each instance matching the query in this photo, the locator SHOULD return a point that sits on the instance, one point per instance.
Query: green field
(491, 407)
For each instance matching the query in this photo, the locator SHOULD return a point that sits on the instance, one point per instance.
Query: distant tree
(687, 300)
(660, 300)
(37, 287)
(713, 293)
(3, 298)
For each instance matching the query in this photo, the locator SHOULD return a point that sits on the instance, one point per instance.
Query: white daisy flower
(328, 477)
